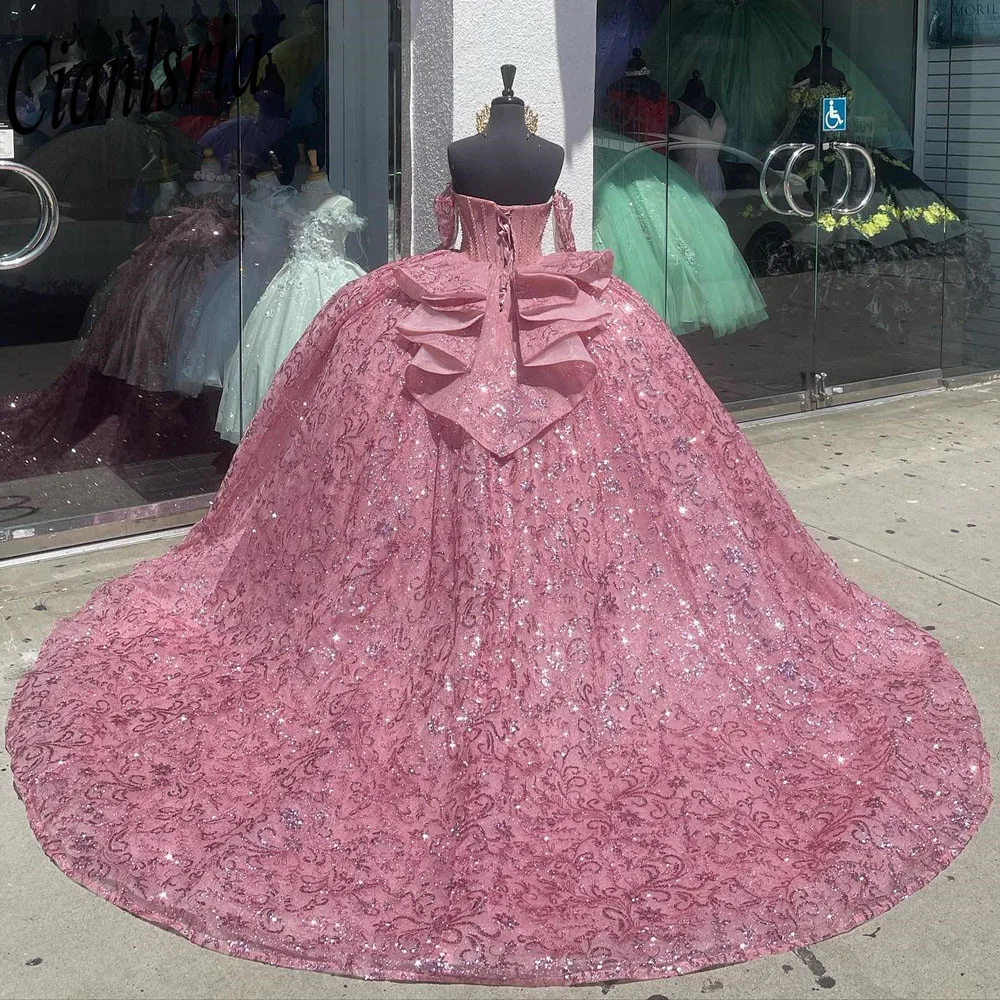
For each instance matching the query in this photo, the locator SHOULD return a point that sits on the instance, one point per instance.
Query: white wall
(455, 53)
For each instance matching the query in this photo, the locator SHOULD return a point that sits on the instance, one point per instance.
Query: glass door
(804, 189)
(702, 190)
(893, 263)
(99, 421)
(959, 55)
(182, 188)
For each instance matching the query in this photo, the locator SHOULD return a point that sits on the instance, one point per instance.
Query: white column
(455, 53)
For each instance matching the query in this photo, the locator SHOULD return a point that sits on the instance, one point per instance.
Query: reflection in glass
(683, 261)
(317, 267)
(188, 149)
(864, 269)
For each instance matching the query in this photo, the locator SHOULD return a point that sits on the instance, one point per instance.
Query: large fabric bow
(502, 352)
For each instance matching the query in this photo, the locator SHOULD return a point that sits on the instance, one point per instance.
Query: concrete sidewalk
(903, 493)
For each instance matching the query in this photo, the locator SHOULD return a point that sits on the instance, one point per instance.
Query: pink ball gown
(113, 404)
(136, 332)
(499, 659)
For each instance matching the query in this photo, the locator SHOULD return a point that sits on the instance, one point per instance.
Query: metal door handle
(798, 149)
(842, 149)
(786, 186)
(48, 221)
(848, 170)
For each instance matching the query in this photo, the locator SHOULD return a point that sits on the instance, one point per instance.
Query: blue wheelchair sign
(834, 114)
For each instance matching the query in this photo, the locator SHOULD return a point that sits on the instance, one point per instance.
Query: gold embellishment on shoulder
(483, 119)
(807, 97)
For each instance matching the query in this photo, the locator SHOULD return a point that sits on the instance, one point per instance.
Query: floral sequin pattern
(142, 314)
(399, 708)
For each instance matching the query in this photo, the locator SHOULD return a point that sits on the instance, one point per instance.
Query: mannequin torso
(820, 68)
(694, 97)
(506, 164)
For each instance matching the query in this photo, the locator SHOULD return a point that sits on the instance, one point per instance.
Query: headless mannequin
(694, 97)
(506, 164)
(316, 190)
(210, 180)
(620, 111)
(637, 79)
(820, 68)
(169, 190)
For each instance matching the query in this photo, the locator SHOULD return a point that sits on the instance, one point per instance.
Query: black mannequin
(637, 79)
(506, 164)
(821, 68)
(636, 105)
(167, 38)
(694, 97)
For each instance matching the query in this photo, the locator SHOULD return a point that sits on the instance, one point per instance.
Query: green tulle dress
(670, 243)
(746, 52)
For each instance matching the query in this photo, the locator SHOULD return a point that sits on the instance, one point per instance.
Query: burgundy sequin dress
(137, 329)
(500, 658)
(113, 404)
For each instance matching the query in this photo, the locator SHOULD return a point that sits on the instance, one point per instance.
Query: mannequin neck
(820, 68)
(506, 120)
(823, 57)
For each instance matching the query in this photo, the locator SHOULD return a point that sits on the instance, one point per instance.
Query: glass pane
(891, 250)
(959, 49)
(327, 215)
(96, 418)
(685, 130)
(220, 172)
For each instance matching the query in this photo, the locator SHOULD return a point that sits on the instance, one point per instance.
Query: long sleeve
(562, 210)
(446, 214)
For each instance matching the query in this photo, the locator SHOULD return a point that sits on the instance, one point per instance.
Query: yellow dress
(296, 57)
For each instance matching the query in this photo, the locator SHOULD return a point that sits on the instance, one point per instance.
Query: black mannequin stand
(506, 164)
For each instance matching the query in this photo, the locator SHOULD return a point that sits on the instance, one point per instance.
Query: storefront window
(799, 198)
(220, 172)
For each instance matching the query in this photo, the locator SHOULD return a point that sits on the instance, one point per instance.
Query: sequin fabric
(501, 328)
(136, 333)
(397, 708)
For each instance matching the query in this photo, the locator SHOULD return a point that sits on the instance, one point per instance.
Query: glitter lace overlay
(135, 336)
(397, 708)
(315, 270)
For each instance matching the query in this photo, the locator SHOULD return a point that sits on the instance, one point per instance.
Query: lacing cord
(505, 239)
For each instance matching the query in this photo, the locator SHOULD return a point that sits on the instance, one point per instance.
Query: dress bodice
(701, 161)
(695, 125)
(190, 227)
(322, 233)
(490, 230)
(805, 102)
(642, 114)
(502, 234)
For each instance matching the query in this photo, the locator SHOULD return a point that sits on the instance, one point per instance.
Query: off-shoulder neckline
(496, 204)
